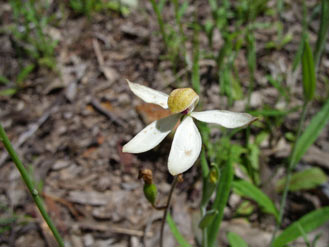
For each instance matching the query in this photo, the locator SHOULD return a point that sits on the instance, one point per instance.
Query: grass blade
(178, 236)
(308, 70)
(323, 31)
(223, 190)
(8, 92)
(311, 133)
(24, 73)
(208, 218)
(235, 240)
(4, 80)
(196, 55)
(249, 190)
(298, 55)
(308, 222)
(160, 22)
(303, 180)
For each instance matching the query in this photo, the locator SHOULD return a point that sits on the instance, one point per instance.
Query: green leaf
(4, 80)
(196, 57)
(182, 9)
(237, 92)
(308, 222)
(323, 31)
(235, 240)
(209, 183)
(178, 236)
(8, 92)
(24, 73)
(273, 112)
(208, 218)
(311, 133)
(249, 190)
(303, 180)
(308, 70)
(254, 155)
(245, 208)
(298, 55)
(222, 195)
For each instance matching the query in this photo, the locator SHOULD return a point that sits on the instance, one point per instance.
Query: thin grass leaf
(24, 73)
(249, 190)
(182, 10)
(298, 56)
(308, 222)
(311, 132)
(208, 218)
(157, 8)
(277, 84)
(307, 242)
(235, 240)
(273, 112)
(323, 32)
(195, 65)
(178, 236)
(304, 180)
(308, 71)
(222, 195)
(8, 92)
(4, 80)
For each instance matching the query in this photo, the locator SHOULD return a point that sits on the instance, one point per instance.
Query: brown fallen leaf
(151, 112)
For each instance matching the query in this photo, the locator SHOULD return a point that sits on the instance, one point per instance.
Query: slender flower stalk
(28, 181)
(163, 221)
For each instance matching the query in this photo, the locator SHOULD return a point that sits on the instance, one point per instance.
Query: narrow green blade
(308, 222)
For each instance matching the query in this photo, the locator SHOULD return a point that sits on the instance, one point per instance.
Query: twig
(98, 107)
(155, 216)
(166, 210)
(29, 132)
(109, 73)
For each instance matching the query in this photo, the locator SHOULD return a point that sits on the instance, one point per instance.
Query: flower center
(182, 100)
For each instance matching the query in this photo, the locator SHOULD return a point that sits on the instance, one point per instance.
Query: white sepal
(185, 148)
(226, 119)
(149, 95)
(151, 135)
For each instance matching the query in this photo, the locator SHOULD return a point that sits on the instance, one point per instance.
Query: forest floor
(70, 124)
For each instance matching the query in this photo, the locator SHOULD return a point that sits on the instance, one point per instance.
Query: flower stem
(28, 181)
(173, 185)
(291, 166)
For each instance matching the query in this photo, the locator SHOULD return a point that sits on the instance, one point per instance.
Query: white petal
(185, 148)
(226, 119)
(151, 135)
(149, 95)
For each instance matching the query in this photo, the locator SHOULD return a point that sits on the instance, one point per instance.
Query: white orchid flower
(186, 145)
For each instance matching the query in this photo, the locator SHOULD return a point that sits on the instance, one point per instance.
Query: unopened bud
(150, 192)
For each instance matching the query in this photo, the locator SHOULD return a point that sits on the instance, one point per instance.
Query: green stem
(166, 209)
(160, 22)
(204, 230)
(203, 206)
(289, 173)
(28, 181)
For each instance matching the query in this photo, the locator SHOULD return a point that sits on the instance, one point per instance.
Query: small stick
(98, 107)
